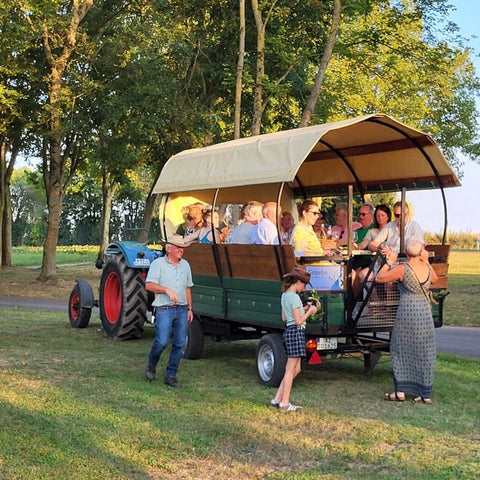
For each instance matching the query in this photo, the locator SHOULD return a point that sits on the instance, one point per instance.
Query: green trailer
(237, 287)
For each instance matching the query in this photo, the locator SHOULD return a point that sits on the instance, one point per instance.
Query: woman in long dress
(413, 344)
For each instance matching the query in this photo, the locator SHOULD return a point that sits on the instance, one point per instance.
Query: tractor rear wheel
(123, 300)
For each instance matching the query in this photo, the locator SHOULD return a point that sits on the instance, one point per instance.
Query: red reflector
(144, 274)
(311, 345)
(315, 358)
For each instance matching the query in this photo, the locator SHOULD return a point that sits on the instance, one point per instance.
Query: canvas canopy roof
(373, 152)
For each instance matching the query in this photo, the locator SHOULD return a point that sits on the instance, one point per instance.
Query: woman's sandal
(393, 397)
(419, 399)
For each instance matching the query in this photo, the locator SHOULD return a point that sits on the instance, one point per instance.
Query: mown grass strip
(75, 405)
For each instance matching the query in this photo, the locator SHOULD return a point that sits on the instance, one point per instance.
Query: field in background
(457, 241)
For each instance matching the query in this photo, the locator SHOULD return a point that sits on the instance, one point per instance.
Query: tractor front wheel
(80, 304)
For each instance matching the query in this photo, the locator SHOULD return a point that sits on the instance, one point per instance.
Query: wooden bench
(439, 263)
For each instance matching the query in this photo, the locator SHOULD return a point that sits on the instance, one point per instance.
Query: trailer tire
(194, 347)
(123, 300)
(80, 304)
(271, 359)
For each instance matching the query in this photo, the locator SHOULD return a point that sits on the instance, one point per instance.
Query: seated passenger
(361, 265)
(265, 232)
(251, 214)
(304, 240)
(204, 234)
(382, 216)
(287, 225)
(366, 218)
(193, 220)
(319, 225)
(340, 229)
(389, 237)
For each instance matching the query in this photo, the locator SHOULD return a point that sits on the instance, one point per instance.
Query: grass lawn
(75, 406)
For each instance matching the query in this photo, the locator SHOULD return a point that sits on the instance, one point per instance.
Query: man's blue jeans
(169, 322)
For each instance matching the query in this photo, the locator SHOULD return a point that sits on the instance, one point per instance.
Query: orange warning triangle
(315, 358)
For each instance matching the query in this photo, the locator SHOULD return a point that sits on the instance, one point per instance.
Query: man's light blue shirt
(177, 278)
(264, 233)
(390, 234)
(241, 233)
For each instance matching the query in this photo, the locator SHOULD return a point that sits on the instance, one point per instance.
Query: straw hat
(298, 274)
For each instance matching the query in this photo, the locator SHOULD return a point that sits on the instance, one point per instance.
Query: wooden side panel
(439, 262)
(201, 259)
(261, 262)
(254, 261)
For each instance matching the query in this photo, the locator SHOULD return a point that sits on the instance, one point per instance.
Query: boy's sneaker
(289, 407)
(274, 404)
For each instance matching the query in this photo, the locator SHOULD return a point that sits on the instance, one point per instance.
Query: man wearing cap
(170, 279)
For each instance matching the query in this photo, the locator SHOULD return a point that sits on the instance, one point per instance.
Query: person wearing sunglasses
(388, 239)
(366, 218)
(304, 239)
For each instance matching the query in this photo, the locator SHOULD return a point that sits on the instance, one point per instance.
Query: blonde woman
(204, 234)
(304, 239)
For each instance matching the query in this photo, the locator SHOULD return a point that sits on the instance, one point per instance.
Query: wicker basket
(328, 243)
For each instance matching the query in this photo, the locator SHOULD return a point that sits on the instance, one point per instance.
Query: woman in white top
(382, 216)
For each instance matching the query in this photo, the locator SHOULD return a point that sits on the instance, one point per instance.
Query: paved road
(463, 341)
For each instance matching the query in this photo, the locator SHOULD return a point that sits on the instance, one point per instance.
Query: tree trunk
(54, 160)
(7, 247)
(326, 57)
(239, 79)
(108, 191)
(6, 172)
(3, 165)
(258, 93)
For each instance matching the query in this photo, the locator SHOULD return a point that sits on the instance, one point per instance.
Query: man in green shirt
(365, 217)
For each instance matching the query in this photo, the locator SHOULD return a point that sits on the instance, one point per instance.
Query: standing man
(365, 217)
(170, 279)
(265, 232)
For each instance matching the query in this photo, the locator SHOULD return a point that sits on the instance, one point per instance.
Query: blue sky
(463, 203)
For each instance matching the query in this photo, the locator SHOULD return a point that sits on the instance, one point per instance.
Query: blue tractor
(123, 300)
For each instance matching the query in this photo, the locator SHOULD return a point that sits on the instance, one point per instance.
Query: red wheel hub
(74, 306)
(112, 298)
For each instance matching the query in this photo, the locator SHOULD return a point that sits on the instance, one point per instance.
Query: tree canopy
(98, 89)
